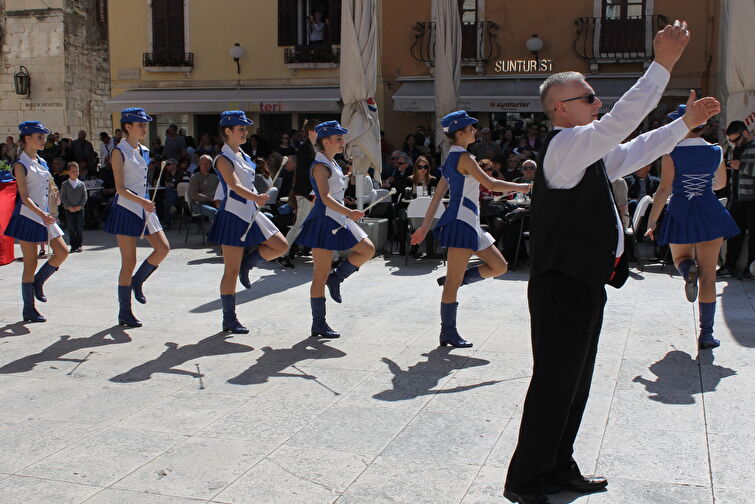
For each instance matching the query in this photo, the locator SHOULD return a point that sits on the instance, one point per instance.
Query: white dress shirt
(574, 149)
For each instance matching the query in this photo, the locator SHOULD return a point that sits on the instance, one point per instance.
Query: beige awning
(265, 100)
(506, 94)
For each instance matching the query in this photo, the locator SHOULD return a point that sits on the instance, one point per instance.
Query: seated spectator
(511, 172)
(639, 185)
(202, 186)
(486, 148)
(157, 151)
(420, 178)
(285, 148)
(10, 151)
(411, 148)
(205, 146)
(528, 172)
(263, 179)
(487, 167)
(170, 179)
(403, 169)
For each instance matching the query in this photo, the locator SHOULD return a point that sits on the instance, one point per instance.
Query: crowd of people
(508, 151)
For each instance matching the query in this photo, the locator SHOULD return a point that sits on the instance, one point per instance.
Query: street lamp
(535, 45)
(237, 52)
(22, 81)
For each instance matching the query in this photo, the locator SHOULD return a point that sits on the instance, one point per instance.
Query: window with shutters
(168, 35)
(312, 27)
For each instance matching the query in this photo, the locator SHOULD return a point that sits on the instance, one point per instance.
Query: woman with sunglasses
(331, 226)
(239, 223)
(459, 228)
(133, 213)
(31, 222)
(419, 184)
(695, 223)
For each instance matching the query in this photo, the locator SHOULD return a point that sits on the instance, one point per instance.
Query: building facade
(610, 41)
(176, 59)
(186, 61)
(62, 45)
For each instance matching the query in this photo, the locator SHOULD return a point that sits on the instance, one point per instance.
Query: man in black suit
(572, 204)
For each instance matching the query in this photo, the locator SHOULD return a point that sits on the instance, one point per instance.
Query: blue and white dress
(24, 224)
(236, 212)
(317, 229)
(127, 217)
(459, 226)
(694, 214)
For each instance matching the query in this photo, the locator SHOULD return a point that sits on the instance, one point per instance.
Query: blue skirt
(698, 223)
(228, 228)
(121, 221)
(24, 229)
(459, 234)
(317, 232)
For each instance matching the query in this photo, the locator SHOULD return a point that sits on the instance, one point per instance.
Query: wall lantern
(22, 82)
(535, 45)
(237, 52)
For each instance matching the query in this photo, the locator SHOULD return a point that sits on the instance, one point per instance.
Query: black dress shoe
(578, 484)
(526, 498)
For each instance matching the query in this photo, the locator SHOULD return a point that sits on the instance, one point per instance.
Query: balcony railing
(478, 43)
(312, 54)
(601, 40)
(167, 59)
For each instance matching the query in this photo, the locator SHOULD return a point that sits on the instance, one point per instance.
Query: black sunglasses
(589, 98)
(422, 167)
(736, 140)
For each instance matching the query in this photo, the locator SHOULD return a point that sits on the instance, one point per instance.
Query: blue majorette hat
(456, 120)
(330, 128)
(134, 114)
(29, 127)
(235, 118)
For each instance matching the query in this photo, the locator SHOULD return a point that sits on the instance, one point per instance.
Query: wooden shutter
(168, 27)
(334, 20)
(288, 22)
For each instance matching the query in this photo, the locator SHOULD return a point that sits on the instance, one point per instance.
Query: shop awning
(502, 95)
(265, 100)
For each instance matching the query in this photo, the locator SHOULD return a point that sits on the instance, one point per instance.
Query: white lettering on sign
(523, 66)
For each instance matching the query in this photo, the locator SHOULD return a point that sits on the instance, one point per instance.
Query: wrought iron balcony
(168, 59)
(312, 54)
(478, 43)
(601, 40)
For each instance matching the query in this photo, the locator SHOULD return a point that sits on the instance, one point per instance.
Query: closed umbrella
(447, 64)
(359, 32)
(737, 41)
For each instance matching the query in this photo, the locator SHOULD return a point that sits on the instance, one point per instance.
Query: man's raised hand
(669, 44)
(699, 111)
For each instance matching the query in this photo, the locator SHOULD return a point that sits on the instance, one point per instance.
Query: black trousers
(744, 215)
(566, 317)
(75, 228)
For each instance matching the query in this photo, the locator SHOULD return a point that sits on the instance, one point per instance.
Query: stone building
(63, 44)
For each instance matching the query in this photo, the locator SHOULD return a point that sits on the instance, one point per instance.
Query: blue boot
(30, 313)
(319, 326)
(472, 275)
(688, 270)
(249, 261)
(141, 275)
(707, 315)
(40, 278)
(448, 333)
(344, 270)
(230, 322)
(125, 317)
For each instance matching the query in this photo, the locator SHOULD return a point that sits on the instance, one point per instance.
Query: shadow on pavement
(14, 329)
(419, 379)
(274, 360)
(678, 377)
(66, 345)
(738, 315)
(175, 355)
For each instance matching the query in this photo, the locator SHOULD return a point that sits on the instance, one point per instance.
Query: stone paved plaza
(177, 412)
